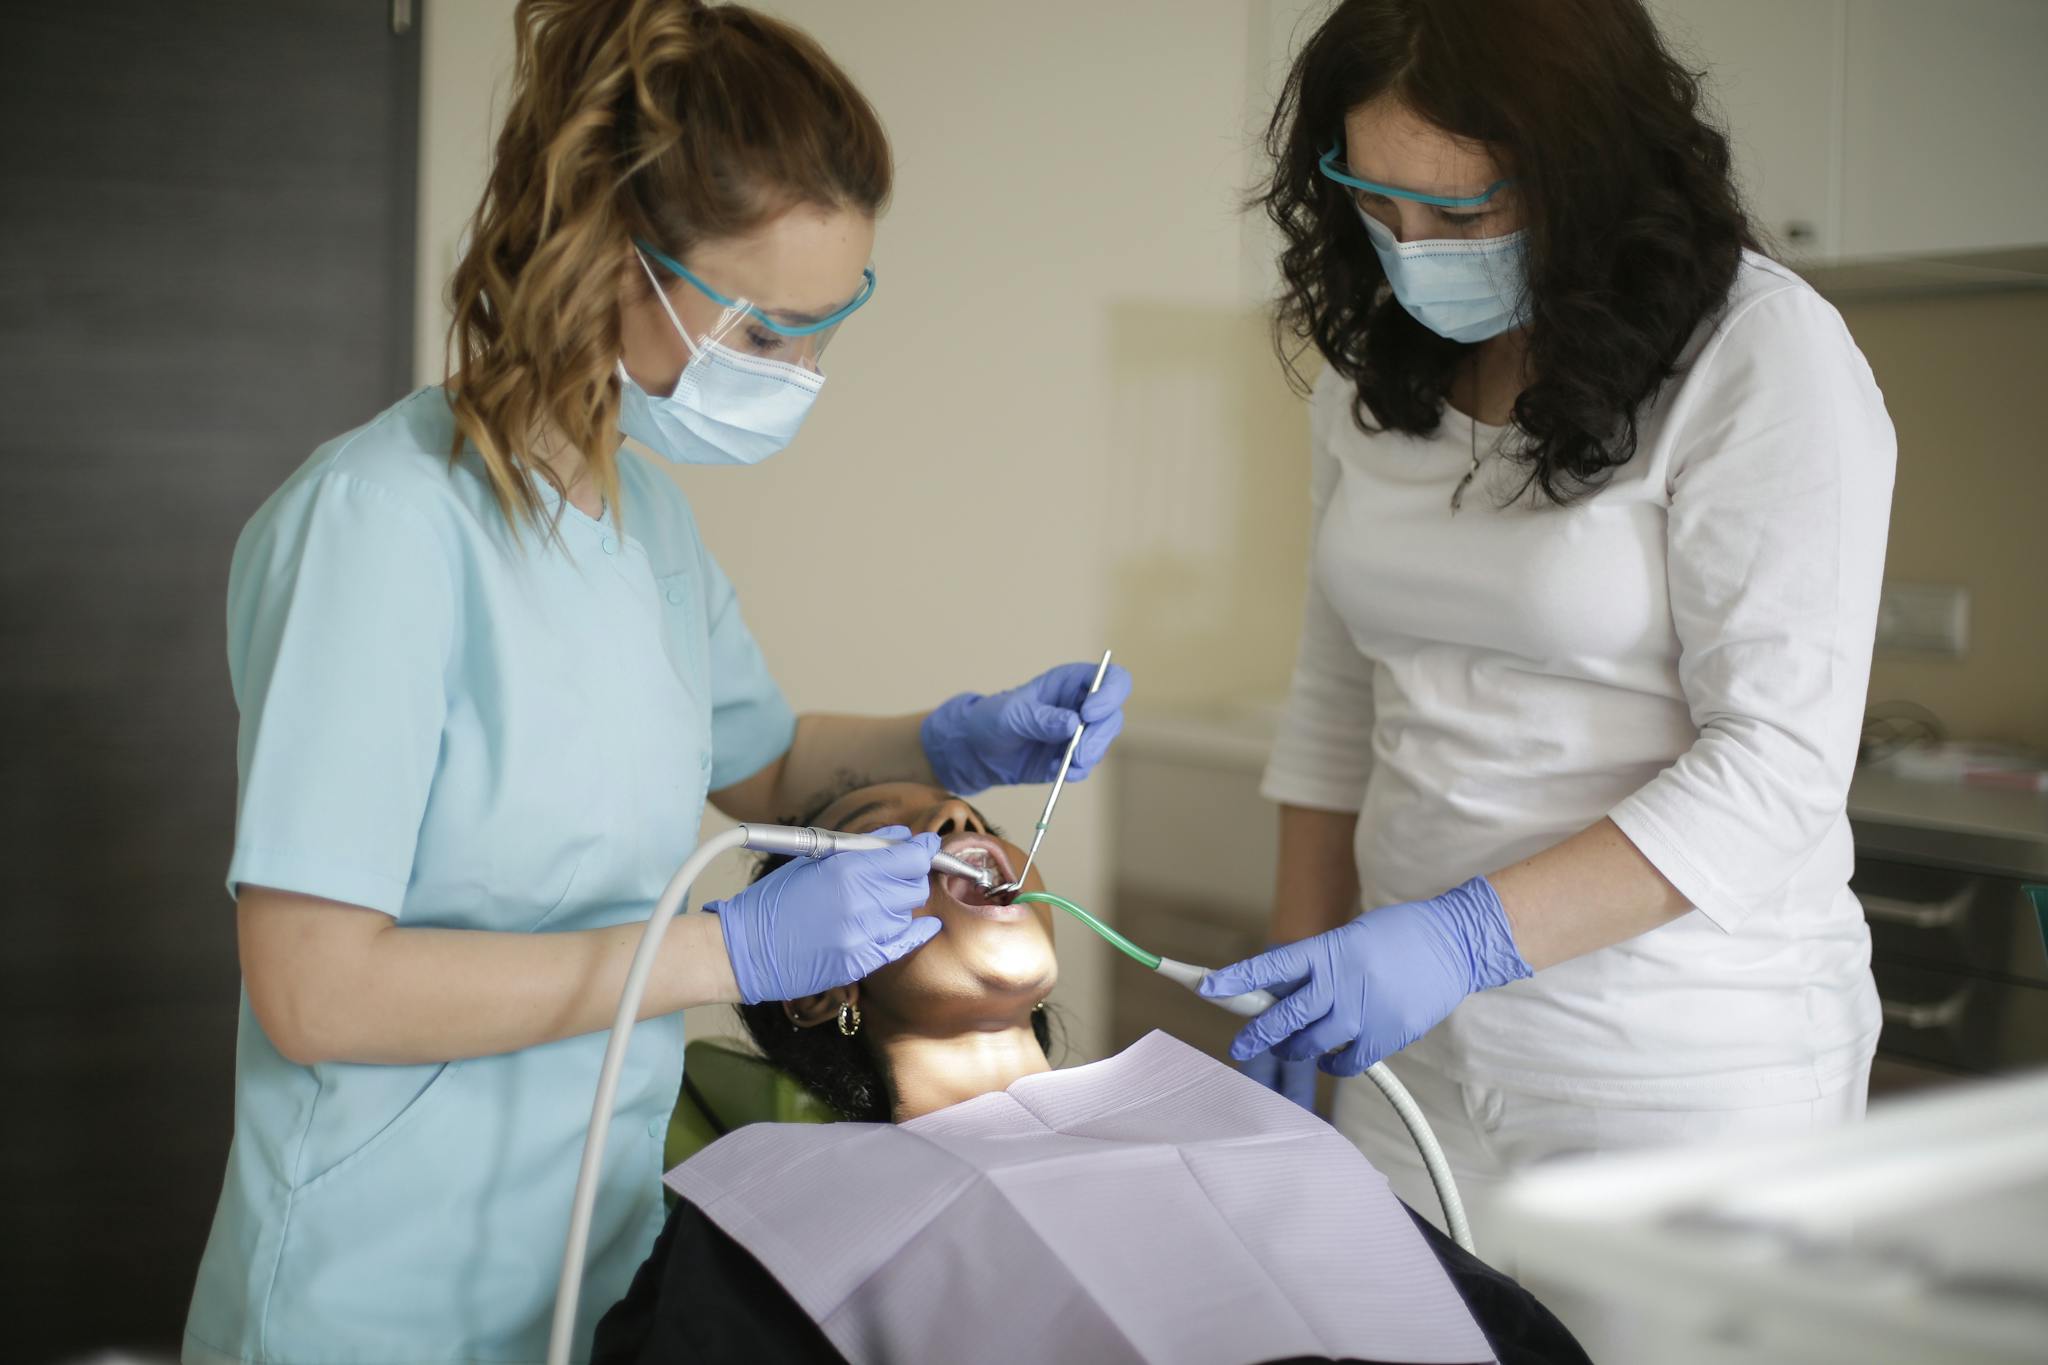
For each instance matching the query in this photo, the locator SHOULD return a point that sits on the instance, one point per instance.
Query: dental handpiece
(792, 841)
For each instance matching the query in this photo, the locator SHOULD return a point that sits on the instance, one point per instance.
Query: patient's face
(990, 957)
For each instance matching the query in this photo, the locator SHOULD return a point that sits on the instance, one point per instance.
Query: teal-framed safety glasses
(1333, 168)
(809, 328)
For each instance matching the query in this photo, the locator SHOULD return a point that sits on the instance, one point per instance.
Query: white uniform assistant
(1685, 651)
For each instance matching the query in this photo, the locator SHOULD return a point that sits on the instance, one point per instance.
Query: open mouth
(979, 850)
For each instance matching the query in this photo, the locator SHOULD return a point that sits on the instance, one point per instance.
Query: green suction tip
(1116, 940)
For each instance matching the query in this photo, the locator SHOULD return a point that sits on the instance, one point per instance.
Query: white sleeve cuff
(1302, 789)
(1667, 855)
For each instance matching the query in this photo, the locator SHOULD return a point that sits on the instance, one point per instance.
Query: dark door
(205, 269)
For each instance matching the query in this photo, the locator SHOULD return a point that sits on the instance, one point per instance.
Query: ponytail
(670, 120)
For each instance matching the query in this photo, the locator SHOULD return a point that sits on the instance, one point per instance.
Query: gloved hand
(976, 742)
(1295, 1080)
(817, 923)
(1369, 988)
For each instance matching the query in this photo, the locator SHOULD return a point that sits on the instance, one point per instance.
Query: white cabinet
(1877, 128)
(1947, 126)
(1776, 77)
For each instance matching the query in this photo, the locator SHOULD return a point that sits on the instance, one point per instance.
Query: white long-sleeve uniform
(1685, 651)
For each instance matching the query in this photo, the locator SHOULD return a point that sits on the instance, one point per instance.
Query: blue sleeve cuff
(315, 874)
(747, 737)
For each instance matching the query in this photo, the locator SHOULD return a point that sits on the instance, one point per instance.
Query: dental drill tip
(985, 876)
(954, 866)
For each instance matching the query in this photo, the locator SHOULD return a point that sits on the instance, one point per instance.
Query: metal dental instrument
(1059, 783)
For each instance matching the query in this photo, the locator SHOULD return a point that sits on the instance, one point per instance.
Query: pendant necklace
(1458, 493)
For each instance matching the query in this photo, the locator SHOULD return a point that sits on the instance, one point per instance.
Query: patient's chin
(1014, 963)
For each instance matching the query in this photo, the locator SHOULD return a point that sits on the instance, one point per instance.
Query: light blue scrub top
(467, 729)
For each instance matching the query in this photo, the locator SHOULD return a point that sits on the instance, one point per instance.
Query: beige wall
(465, 63)
(1962, 377)
(1209, 547)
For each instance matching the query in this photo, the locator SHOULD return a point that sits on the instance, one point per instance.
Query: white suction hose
(1253, 1003)
(570, 1287)
(785, 840)
(1432, 1155)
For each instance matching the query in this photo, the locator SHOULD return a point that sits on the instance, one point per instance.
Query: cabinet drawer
(1954, 1019)
(1936, 916)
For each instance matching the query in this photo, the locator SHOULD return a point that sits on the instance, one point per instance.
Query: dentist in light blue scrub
(488, 677)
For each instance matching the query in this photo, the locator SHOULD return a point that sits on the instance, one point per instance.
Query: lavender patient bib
(1154, 1207)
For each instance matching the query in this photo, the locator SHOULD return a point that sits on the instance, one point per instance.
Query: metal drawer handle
(1935, 1014)
(1917, 914)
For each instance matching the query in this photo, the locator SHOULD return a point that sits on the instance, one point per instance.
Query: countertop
(1984, 829)
(1979, 828)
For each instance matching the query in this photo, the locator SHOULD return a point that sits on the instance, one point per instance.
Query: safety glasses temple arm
(833, 319)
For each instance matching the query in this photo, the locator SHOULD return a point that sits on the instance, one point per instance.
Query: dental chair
(726, 1086)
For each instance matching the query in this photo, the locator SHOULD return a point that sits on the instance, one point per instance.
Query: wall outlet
(1923, 617)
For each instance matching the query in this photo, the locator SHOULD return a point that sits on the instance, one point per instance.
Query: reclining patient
(981, 1205)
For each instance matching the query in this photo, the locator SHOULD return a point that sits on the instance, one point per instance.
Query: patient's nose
(953, 817)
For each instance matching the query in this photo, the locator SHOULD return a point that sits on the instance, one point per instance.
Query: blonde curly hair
(669, 120)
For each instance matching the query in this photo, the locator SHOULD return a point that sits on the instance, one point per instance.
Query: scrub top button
(656, 1127)
(675, 597)
(704, 764)
(611, 546)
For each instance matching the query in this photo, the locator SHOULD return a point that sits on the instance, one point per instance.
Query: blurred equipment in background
(1977, 765)
(1915, 1236)
(207, 268)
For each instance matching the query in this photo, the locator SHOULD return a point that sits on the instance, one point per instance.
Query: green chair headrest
(726, 1085)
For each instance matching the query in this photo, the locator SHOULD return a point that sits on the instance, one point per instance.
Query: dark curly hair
(1634, 226)
(846, 1073)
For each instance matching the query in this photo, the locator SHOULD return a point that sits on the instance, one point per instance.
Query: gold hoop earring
(849, 1019)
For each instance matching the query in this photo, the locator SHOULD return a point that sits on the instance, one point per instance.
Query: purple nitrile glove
(1367, 989)
(817, 923)
(976, 742)
(1294, 1080)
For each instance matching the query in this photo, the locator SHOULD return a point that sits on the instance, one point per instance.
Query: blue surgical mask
(729, 408)
(1463, 289)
